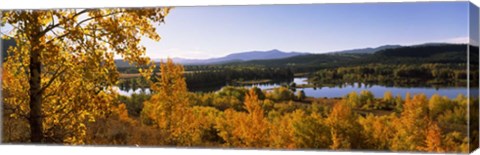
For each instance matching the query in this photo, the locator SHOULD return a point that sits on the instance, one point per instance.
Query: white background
(73, 150)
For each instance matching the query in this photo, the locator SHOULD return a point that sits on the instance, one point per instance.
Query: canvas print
(388, 77)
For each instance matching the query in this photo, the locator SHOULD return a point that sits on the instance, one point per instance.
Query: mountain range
(277, 56)
(238, 57)
(424, 53)
(268, 55)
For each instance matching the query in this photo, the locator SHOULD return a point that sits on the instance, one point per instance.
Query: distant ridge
(370, 50)
(425, 50)
(422, 53)
(365, 50)
(239, 57)
(277, 57)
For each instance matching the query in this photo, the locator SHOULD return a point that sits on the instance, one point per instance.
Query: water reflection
(378, 90)
(331, 91)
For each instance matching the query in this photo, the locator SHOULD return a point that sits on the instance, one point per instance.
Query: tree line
(440, 75)
(212, 78)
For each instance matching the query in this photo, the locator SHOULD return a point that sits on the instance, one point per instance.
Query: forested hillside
(441, 53)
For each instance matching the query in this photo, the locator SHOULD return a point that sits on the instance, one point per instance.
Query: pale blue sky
(204, 32)
(216, 31)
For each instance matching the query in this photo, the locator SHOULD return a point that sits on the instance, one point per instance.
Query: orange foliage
(250, 130)
(433, 139)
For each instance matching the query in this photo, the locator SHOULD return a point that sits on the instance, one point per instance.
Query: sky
(216, 31)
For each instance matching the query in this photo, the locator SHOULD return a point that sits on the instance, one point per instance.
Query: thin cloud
(458, 40)
(462, 40)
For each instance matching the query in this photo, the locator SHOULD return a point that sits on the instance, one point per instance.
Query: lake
(340, 91)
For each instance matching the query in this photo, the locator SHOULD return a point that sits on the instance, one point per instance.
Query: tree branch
(56, 75)
(51, 27)
(58, 37)
(77, 25)
(15, 110)
(88, 19)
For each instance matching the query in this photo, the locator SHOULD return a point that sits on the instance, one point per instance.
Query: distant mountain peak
(296, 57)
(241, 56)
(274, 50)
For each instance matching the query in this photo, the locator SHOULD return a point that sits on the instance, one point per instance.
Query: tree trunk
(35, 94)
(35, 120)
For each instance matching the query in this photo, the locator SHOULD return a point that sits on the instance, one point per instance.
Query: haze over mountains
(277, 56)
(366, 50)
(238, 57)
(268, 55)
